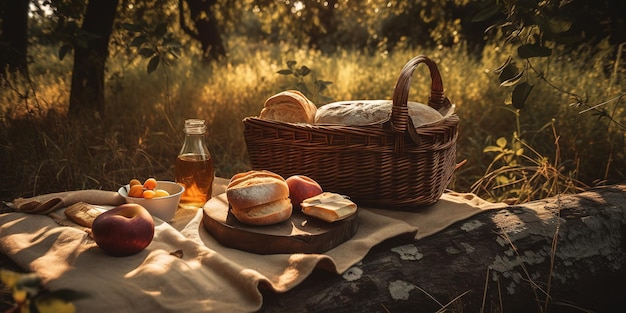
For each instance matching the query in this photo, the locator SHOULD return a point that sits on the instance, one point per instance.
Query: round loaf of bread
(259, 198)
(289, 106)
(367, 112)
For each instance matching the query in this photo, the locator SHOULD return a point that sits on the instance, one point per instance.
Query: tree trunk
(564, 254)
(15, 36)
(87, 91)
(318, 34)
(206, 29)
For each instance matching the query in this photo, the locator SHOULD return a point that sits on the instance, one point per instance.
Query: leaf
(146, 52)
(520, 94)
(492, 149)
(138, 41)
(533, 50)
(291, 64)
(19, 295)
(171, 42)
(9, 278)
(503, 66)
(501, 142)
(513, 80)
(516, 144)
(303, 71)
(64, 50)
(29, 281)
(303, 88)
(502, 180)
(160, 30)
(486, 13)
(519, 151)
(153, 63)
(491, 28)
(510, 71)
(322, 85)
(285, 72)
(132, 27)
(47, 304)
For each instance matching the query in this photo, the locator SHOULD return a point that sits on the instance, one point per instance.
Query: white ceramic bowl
(162, 207)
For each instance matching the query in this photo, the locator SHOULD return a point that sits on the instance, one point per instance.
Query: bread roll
(366, 112)
(329, 207)
(259, 198)
(289, 106)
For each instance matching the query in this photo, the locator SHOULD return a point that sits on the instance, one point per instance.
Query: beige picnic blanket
(208, 277)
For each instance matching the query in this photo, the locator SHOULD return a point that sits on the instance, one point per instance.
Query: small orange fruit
(150, 183)
(149, 194)
(135, 191)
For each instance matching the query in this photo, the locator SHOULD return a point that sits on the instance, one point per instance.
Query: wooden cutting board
(299, 234)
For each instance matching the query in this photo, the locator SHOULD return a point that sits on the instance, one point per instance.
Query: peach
(302, 187)
(124, 230)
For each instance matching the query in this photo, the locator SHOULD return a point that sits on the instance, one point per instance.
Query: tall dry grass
(141, 132)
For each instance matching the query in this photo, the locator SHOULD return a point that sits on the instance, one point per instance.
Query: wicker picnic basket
(390, 165)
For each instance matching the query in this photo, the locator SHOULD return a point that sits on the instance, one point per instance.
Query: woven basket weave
(390, 165)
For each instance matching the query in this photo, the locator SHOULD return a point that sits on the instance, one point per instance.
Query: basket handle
(400, 120)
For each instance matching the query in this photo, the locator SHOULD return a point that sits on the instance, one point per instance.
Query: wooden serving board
(299, 234)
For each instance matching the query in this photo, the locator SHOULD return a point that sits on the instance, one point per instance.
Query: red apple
(124, 230)
(302, 187)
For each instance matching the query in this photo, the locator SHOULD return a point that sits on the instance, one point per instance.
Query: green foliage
(539, 33)
(519, 173)
(29, 295)
(312, 89)
(537, 29)
(158, 45)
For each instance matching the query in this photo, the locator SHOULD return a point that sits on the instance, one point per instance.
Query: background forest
(95, 92)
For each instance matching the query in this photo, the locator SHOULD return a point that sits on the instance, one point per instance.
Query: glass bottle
(194, 166)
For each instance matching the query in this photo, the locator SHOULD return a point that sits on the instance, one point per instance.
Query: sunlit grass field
(547, 148)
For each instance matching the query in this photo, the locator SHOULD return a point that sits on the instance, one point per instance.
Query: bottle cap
(195, 126)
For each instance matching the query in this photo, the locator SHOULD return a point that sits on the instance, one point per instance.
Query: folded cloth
(184, 269)
(451, 208)
(45, 204)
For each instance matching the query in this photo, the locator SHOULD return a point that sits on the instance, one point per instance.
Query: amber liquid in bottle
(195, 173)
(193, 168)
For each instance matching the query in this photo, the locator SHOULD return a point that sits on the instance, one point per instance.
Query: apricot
(135, 191)
(146, 190)
(150, 183)
(148, 194)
